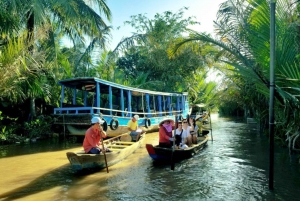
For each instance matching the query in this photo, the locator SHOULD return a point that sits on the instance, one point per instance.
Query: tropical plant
(146, 55)
(243, 38)
(30, 54)
(40, 127)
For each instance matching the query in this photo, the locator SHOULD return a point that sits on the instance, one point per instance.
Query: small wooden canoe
(120, 147)
(161, 154)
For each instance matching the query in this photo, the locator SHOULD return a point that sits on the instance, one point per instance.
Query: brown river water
(232, 167)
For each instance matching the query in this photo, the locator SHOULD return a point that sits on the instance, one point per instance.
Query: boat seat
(112, 149)
(121, 142)
(80, 152)
(126, 138)
(117, 145)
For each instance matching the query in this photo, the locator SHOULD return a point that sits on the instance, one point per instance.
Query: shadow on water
(38, 184)
(45, 145)
(61, 177)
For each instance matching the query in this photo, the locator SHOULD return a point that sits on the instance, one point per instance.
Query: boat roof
(198, 105)
(89, 84)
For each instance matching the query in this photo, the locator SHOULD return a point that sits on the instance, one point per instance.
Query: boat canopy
(83, 97)
(89, 84)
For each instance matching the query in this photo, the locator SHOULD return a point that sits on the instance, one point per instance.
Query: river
(234, 166)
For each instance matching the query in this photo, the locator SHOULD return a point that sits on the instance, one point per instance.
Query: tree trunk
(32, 109)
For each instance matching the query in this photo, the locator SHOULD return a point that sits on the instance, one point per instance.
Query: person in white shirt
(186, 136)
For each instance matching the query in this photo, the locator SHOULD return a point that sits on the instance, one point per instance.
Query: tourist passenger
(133, 127)
(165, 133)
(194, 131)
(92, 139)
(186, 136)
(199, 122)
(178, 134)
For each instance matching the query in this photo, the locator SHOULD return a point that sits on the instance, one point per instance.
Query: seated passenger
(178, 134)
(186, 136)
(133, 127)
(205, 117)
(199, 123)
(194, 131)
(165, 133)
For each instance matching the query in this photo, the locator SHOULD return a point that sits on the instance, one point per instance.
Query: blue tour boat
(85, 97)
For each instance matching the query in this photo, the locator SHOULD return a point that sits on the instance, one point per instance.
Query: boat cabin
(85, 97)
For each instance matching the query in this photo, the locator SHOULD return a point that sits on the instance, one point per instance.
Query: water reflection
(232, 167)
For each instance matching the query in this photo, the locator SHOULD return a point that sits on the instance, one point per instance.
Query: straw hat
(162, 121)
(197, 117)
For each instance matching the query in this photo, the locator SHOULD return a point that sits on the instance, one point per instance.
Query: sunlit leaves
(147, 52)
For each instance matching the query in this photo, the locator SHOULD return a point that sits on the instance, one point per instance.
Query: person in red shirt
(91, 142)
(165, 133)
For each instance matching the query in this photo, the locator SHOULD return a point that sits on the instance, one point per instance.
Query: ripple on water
(232, 167)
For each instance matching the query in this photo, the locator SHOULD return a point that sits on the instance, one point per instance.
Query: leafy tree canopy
(149, 51)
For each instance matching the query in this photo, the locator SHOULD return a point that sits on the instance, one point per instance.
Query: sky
(204, 10)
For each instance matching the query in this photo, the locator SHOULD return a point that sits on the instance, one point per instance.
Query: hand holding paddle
(103, 149)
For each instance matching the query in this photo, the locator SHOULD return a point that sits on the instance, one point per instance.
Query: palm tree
(243, 36)
(39, 25)
(148, 51)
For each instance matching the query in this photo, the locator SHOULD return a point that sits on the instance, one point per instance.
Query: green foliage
(8, 136)
(4, 133)
(7, 133)
(31, 60)
(243, 38)
(146, 54)
(40, 127)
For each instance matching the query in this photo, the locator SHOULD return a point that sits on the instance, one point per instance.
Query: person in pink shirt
(165, 133)
(92, 140)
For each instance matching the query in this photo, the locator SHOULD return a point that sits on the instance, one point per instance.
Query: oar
(173, 149)
(103, 151)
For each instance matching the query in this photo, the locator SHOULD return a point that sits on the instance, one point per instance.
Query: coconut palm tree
(242, 27)
(39, 25)
(148, 51)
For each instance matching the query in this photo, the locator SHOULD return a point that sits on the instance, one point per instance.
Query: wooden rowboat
(160, 154)
(120, 147)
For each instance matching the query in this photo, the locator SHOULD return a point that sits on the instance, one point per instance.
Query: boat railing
(114, 112)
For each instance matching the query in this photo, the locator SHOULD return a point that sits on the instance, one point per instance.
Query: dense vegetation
(163, 54)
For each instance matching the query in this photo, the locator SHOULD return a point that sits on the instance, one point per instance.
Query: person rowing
(92, 138)
(165, 133)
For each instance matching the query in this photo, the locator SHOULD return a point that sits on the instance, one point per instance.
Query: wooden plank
(117, 146)
(122, 142)
(126, 137)
(112, 149)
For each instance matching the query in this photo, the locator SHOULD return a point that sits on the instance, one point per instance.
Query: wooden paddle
(173, 149)
(103, 151)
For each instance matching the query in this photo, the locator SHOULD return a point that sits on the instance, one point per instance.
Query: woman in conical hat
(165, 133)
(165, 120)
